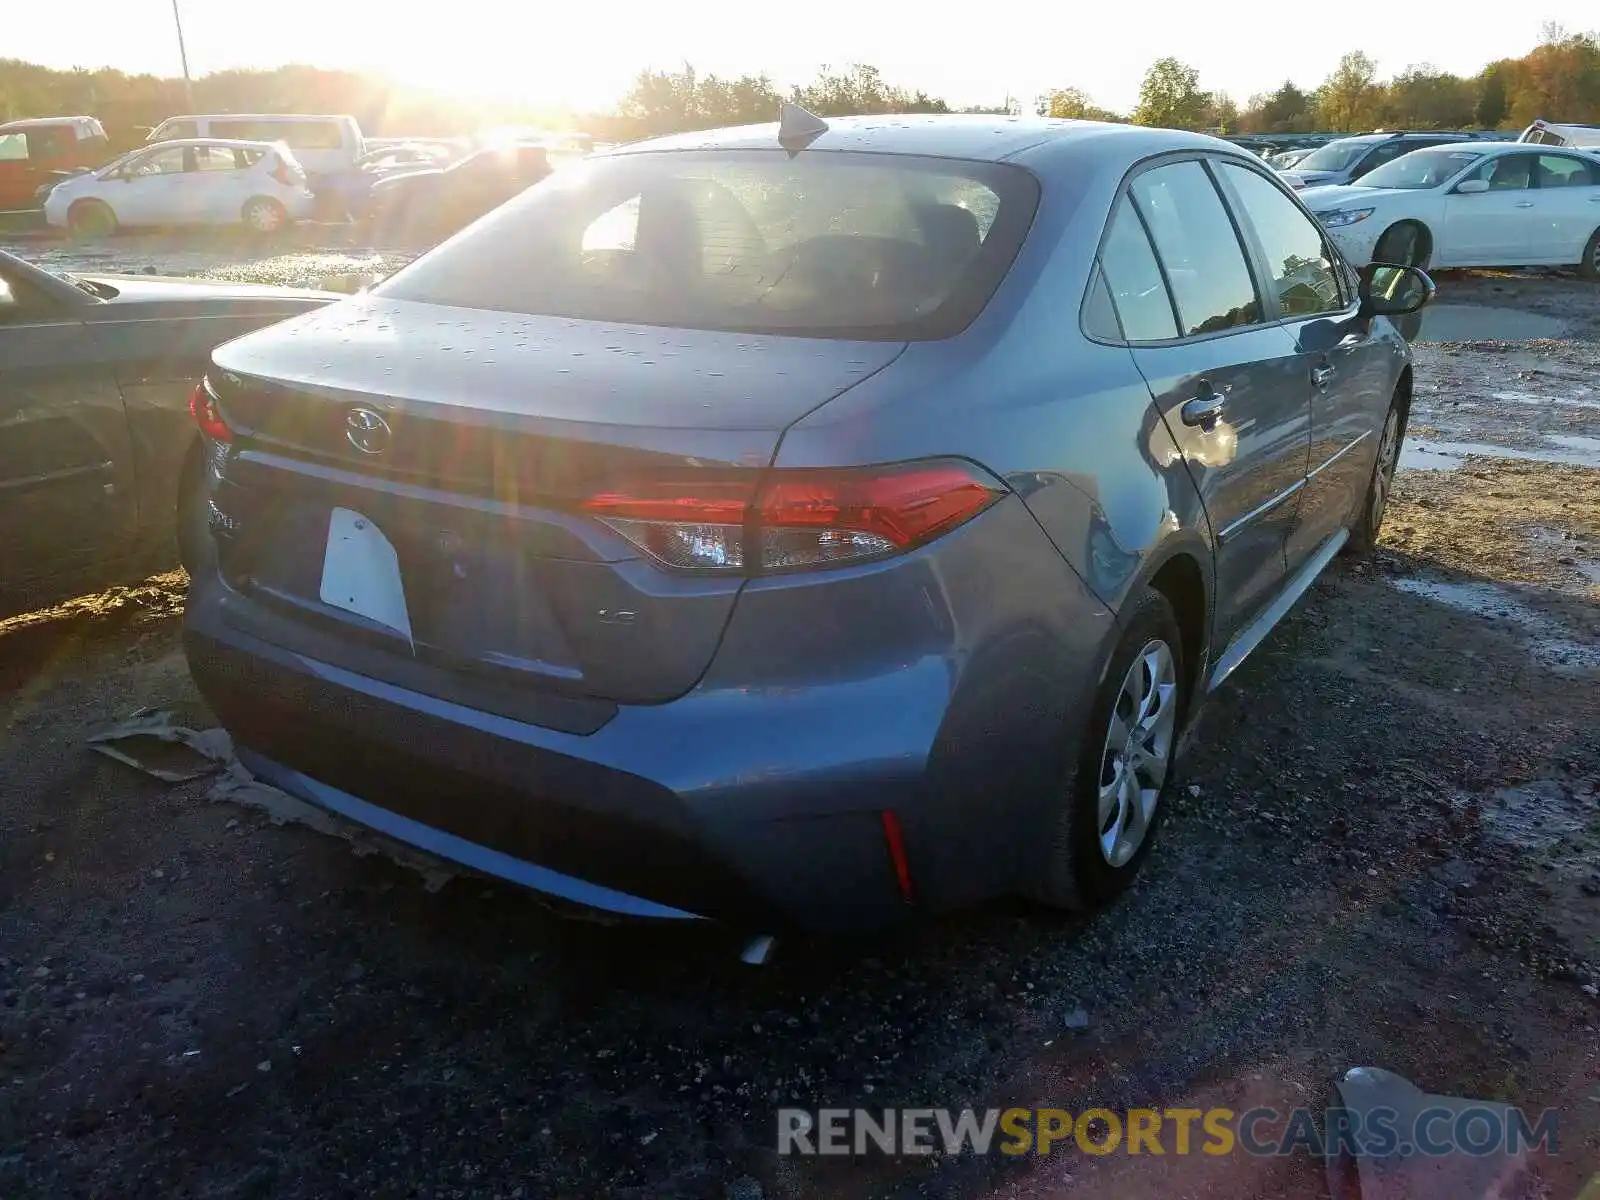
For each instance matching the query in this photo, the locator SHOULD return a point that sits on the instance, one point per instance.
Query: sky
(585, 55)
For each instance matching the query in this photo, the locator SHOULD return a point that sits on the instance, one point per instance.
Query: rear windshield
(819, 245)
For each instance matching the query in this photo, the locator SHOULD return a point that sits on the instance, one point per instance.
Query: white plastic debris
(151, 741)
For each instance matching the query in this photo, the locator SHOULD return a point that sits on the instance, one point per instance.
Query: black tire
(263, 215)
(1589, 268)
(192, 512)
(1081, 874)
(1404, 244)
(91, 219)
(1368, 521)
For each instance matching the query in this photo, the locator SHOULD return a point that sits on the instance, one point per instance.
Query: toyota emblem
(367, 431)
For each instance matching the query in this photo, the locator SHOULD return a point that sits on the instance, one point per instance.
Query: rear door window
(1134, 279)
(1197, 245)
(218, 158)
(13, 147)
(1507, 172)
(50, 142)
(1559, 170)
(158, 162)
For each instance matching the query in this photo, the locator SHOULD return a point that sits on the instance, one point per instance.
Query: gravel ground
(1387, 854)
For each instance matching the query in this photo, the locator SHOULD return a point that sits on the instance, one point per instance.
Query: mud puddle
(1427, 454)
(1550, 640)
(1472, 322)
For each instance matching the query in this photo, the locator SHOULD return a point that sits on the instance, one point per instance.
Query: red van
(31, 150)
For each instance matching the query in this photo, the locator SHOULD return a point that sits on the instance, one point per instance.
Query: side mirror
(1392, 291)
(1471, 187)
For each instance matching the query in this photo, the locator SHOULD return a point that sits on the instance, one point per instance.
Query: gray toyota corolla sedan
(799, 525)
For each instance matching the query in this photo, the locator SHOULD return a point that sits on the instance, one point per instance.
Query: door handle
(1321, 375)
(1204, 409)
(1524, 204)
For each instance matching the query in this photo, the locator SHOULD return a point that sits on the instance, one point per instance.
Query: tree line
(1558, 80)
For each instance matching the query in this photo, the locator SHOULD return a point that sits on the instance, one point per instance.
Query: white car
(1473, 204)
(197, 181)
(323, 145)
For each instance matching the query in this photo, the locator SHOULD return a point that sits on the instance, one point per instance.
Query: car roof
(964, 136)
(259, 117)
(38, 122)
(225, 143)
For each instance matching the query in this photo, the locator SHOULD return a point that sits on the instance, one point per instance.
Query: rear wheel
(1589, 268)
(263, 214)
(1369, 521)
(91, 219)
(1106, 819)
(1403, 244)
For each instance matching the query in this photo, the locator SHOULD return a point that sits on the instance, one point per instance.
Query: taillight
(798, 519)
(283, 175)
(203, 408)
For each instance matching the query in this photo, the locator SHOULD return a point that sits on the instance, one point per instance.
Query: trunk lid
(492, 426)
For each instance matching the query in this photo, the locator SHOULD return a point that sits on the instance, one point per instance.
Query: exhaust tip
(758, 951)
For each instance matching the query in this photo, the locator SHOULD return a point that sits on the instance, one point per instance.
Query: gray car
(803, 526)
(96, 438)
(1346, 160)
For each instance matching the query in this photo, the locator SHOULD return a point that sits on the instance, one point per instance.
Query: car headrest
(950, 230)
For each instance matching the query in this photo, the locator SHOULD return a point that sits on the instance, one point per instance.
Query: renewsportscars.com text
(1260, 1132)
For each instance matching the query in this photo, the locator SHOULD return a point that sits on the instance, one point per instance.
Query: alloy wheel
(1138, 752)
(263, 218)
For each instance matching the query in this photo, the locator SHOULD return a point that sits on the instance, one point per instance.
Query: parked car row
(1447, 200)
(259, 170)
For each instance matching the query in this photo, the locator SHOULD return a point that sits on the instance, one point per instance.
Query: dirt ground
(1387, 853)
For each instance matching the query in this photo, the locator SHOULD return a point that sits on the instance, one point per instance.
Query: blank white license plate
(361, 572)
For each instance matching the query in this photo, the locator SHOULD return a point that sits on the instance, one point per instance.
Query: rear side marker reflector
(894, 838)
(796, 519)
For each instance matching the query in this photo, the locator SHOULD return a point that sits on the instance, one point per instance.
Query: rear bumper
(700, 808)
(757, 797)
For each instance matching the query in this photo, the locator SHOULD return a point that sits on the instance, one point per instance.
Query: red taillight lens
(800, 519)
(203, 408)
